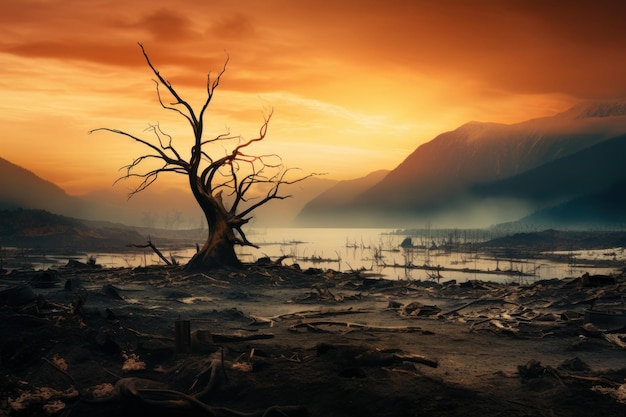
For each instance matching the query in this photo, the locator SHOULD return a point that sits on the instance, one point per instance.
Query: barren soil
(276, 341)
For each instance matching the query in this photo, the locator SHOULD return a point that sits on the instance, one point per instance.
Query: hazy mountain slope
(174, 208)
(20, 188)
(283, 213)
(603, 209)
(581, 173)
(558, 240)
(341, 193)
(157, 206)
(475, 152)
(437, 176)
(434, 183)
(53, 232)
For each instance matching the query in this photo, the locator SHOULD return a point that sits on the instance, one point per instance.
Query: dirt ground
(277, 341)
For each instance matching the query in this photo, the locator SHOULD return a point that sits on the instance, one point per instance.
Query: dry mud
(276, 341)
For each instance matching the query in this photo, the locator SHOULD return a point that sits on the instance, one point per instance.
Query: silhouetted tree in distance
(222, 181)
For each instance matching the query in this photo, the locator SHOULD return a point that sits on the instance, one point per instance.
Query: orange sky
(355, 85)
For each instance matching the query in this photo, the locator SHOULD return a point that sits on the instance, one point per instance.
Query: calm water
(379, 251)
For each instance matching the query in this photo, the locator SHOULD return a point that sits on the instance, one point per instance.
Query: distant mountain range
(39, 229)
(155, 207)
(487, 173)
(561, 171)
(20, 188)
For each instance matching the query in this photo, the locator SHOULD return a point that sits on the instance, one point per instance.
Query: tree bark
(219, 248)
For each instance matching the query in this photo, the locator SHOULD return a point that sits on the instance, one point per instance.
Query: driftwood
(498, 325)
(411, 357)
(307, 314)
(587, 378)
(417, 309)
(314, 327)
(155, 250)
(479, 301)
(224, 337)
(615, 339)
(534, 369)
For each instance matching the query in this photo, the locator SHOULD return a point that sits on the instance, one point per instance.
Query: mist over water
(378, 252)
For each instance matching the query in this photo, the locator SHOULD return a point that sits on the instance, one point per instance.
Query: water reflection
(378, 252)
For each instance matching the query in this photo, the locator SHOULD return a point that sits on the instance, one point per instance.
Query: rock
(44, 279)
(576, 364)
(17, 296)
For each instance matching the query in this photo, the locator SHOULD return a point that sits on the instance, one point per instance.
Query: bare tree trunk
(218, 250)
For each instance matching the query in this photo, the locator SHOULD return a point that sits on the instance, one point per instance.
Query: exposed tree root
(145, 393)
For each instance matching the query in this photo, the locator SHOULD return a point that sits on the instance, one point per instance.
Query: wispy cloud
(383, 76)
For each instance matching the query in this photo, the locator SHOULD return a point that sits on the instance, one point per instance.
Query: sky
(354, 85)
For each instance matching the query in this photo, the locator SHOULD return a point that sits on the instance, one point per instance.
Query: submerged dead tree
(228, 185)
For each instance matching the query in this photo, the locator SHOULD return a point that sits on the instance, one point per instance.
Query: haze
(355, 86)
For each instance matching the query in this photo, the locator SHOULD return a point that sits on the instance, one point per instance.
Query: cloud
(167, 25)
(530, 47)
(379, 76)
(234, 27)
(121, 55)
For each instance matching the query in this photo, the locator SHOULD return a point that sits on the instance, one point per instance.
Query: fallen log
(513, 331)
(479, 301)
(411, 357)
(306, 314)
(313, 326)
(591, 379)
(225, 338)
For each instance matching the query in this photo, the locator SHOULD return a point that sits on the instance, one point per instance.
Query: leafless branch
(273, 193)
(191, 116)
(210, 87)
(235, 172)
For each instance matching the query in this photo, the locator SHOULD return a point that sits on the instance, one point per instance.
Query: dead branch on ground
(314, 326)
(154, 249)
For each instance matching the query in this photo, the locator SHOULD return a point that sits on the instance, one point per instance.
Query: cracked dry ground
(276, 341)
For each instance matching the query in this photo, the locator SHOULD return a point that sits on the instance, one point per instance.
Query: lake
(378, 251)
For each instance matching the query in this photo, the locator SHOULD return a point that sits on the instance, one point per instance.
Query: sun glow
(351, 91)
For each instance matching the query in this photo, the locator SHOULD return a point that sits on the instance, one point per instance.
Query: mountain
(436, 182)
(474, 176)
(283, 212)
(341, 193)
(581, 173)
(40, 229)
(157, 206)
(20, 188)
(605, 209)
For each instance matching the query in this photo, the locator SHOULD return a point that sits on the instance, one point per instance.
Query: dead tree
(221, 182)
